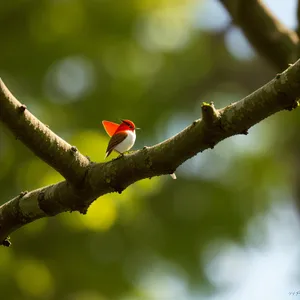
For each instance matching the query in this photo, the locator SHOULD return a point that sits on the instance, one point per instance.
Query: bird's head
(127, 125)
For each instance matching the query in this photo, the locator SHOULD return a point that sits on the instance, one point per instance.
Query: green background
(76, 63)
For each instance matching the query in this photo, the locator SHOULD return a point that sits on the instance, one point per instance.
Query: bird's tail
(107, 154)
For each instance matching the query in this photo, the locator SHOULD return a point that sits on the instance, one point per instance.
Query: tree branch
(209, 113)
(114, 176)
(44, 143)
(266, 33)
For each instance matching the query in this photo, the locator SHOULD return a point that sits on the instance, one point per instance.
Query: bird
(122, 137)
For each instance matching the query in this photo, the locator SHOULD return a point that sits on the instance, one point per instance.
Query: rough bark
(278, 45)
(43, 142)
(86, 181)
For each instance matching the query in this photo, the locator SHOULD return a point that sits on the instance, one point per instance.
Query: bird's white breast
(127, 143)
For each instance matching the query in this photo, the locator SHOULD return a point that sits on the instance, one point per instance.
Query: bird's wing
(115, 140)
(110, 127)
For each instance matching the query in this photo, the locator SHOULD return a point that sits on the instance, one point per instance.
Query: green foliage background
(75, 63)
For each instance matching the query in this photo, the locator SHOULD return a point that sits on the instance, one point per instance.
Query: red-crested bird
(122, 137)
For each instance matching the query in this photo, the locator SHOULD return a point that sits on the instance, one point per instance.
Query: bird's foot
(130, 151)
(120, 156)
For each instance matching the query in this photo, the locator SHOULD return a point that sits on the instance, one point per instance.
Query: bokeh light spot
(101, 214)
(167, 29)
(70, 79)
(59, 19)
(134, 61)
(91, 143)
(211, 15)
(34, 278)
(237, 44)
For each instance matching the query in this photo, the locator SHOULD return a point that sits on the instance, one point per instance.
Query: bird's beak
(137, 128)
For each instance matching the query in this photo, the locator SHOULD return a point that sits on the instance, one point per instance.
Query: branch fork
(86, 181)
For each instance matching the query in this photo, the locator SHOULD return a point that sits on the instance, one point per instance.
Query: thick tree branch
(268, 35)
(114, 176)
(57, 153)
